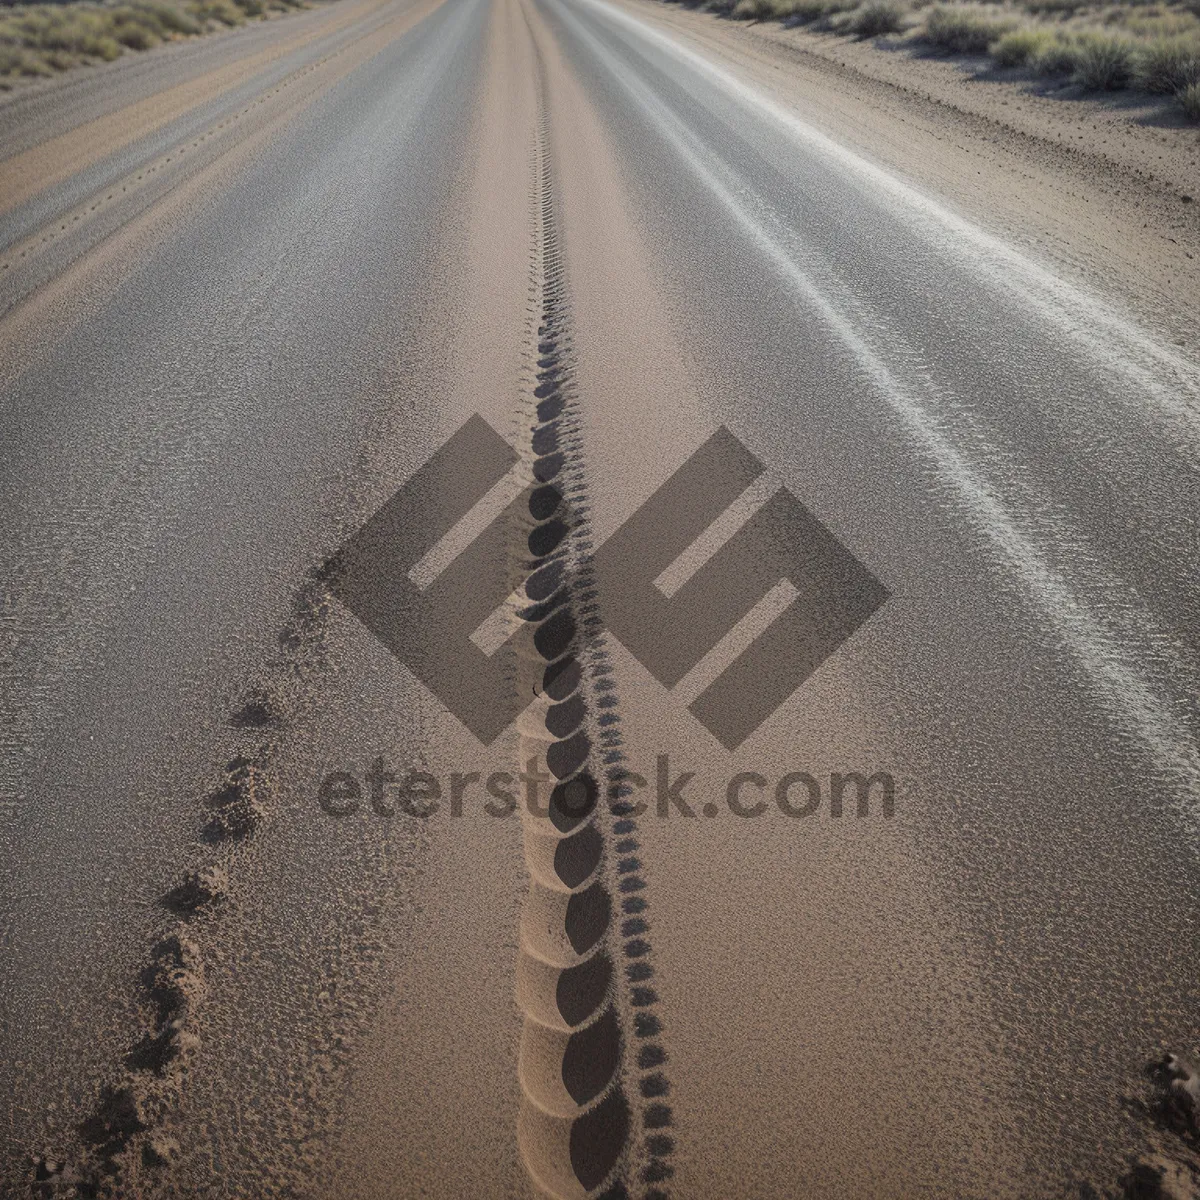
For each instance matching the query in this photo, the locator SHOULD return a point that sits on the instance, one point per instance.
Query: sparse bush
(1168, 65)
(172, 19)
(1057, 8)
(100, 46)
(1058, 58)
(963, 30)
(15, 61)
(804, 12)
(134, 33)
(1188, 99)
(1021, 46)
(800, 12)
(877, 18)
(1152, 23)
(56, 38)
(224, 11)
(823, 15)
(70, 33)
(1103, 63)
(135, 36)
(756, 10)
(143, 15)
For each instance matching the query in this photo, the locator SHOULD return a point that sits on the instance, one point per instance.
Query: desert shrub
(963, 30)
(1056, 8)
(1168, 65)
(756, 10)
(28, 26)
(1021, 46)
(101, 46)
(66, 31)
(143, 14)
(1152, 23)
(839, 22)
(1103, 63)
(164, 19)
(130, 31)
(803, 12)
(877, 18)
(64, 35)
(1057, 58)
(223, 11)
(1188, 99)
(171, 19)
(16, 60)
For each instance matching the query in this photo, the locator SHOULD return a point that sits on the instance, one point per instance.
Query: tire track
(593, 1030)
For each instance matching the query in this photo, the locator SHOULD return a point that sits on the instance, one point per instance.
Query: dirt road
(421, 415)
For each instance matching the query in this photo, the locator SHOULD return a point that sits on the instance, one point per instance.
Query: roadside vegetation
(1099, 46)
(39, 39)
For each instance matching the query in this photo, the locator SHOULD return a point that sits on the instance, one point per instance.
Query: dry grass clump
(823, 15)
(1057, 57)
(1053, 8)
(42, 38)
(15, 60)
(56, 31)
(1189, 101)
(876, 18)
(1150, 22)
(1103, 62)
(962, 30)
(794, 12)
(755, 10)
(1022, 47)
(1169, 65)
(223, 12)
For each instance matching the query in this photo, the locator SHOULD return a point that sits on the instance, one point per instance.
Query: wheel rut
(596, 1116)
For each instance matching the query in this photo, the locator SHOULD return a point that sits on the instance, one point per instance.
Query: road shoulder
(1095, 194)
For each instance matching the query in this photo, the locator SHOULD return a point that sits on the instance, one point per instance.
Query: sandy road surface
(251, 288)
